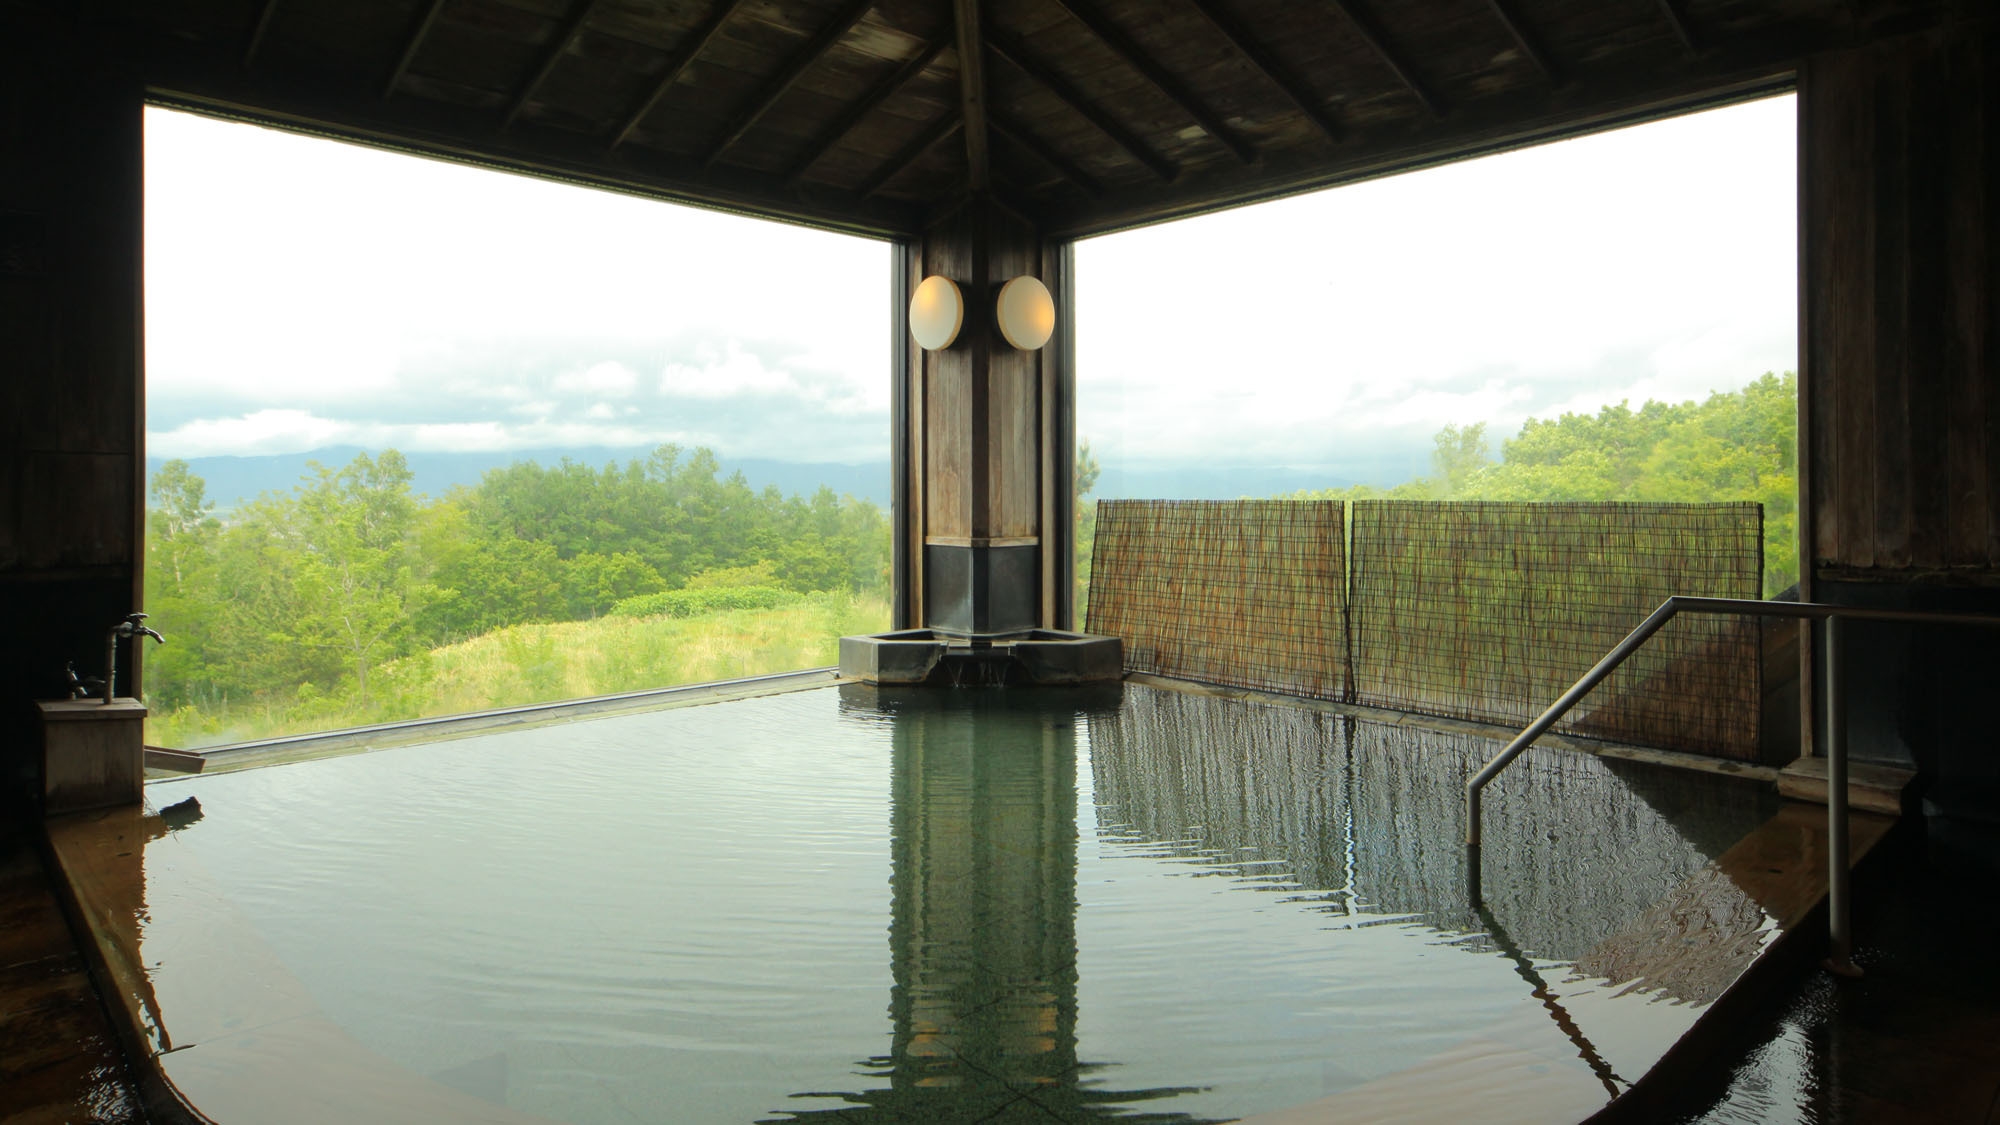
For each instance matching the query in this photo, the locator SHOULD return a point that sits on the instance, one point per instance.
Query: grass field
(540, 663)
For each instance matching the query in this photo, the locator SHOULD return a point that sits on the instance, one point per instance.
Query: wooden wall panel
(1013, 416)
(70, 407)
(1897, 153)
(948, 445)
(947, 390)
(1971, 519)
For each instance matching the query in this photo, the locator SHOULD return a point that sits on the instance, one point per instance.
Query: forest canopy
(1735, 445)
(304, 596)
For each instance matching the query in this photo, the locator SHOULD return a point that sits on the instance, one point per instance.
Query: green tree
(1459, 454)
(179, 518)
(1084, 513)
(354, 574)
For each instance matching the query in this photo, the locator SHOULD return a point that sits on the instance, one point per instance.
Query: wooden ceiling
(877, 116)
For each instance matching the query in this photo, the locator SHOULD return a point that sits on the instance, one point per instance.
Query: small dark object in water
(181, 814)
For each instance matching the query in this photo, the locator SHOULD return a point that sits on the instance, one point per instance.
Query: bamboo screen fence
(1248, 593)
(1470, 610)
(1490, 611)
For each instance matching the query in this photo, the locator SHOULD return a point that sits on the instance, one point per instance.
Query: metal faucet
(130, 627)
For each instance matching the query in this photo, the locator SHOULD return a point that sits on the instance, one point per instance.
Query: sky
(304, 294)
(1652, 262)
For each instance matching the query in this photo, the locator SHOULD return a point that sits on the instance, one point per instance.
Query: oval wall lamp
(1026, 312)
(936, 313)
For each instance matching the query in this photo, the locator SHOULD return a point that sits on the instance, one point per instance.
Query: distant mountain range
(233, 480)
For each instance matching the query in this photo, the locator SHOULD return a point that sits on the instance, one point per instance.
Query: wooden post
(985, 455)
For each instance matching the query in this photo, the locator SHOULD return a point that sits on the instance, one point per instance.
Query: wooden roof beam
(1371, 33)
(1683, 30)
(789, 77)
(411, 44)
(696, 42)
(1015, 52)
(1064, 166)
(1504, 9)
(972, 96)
(1274, 71)
(1176, 91)
(565, 38)
(883, 91)
(911, 153)
(258, 31)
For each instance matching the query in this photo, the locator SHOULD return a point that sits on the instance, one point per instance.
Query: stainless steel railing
(1840, 938)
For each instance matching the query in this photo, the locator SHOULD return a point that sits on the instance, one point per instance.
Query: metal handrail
(1839, 933)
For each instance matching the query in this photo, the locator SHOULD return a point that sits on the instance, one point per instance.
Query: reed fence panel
(1490, 610)
(1247, 593)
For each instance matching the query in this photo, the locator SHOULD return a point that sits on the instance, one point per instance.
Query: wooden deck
(59, 1061)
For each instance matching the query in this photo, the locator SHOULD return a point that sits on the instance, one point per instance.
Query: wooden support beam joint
(1016, 53)
(972, 96)
(260, 30)
(1683, 30)
(1371, 33)
(882, 92)
(696, 42)
(1175, 90)
(1267, 64)
(559, 45)
(411, 45)
(1530, 46)
(785, 79)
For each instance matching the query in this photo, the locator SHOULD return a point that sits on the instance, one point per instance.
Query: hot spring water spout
(130, 627)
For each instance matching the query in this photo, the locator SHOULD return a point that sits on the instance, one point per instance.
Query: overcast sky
(303, 293)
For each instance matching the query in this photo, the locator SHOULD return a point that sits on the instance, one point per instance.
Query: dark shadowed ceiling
(1084, 115)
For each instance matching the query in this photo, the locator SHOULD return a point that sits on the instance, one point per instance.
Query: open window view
(425, 439)
(1610, 318)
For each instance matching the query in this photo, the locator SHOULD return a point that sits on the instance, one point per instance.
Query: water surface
(964, 905)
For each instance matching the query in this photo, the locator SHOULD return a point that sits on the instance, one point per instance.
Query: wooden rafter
(1504, 9)
(1274, 71)
(787, 78)
(1019, 134)
(565, 38)
(411, 44)
(1371, 33)
(1007, 47)
(697, 40)
(972, 95)
(1176, 91)
(910, 153)
(883, 91)
(259, 30)
(1683, 30)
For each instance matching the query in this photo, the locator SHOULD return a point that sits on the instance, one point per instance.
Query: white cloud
(264, 431)
(732, 372)
(605, 378)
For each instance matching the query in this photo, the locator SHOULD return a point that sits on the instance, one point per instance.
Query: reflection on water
(1154, 908)
(982, 932)
(1356, 816)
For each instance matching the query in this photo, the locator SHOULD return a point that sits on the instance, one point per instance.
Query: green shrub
(706, 599)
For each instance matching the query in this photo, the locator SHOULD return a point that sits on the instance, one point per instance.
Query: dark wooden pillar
(986, 453)
(70, 418)
(1899, 143)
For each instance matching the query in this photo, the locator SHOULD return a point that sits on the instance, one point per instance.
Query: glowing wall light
(1026, 312)
(936, 313)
